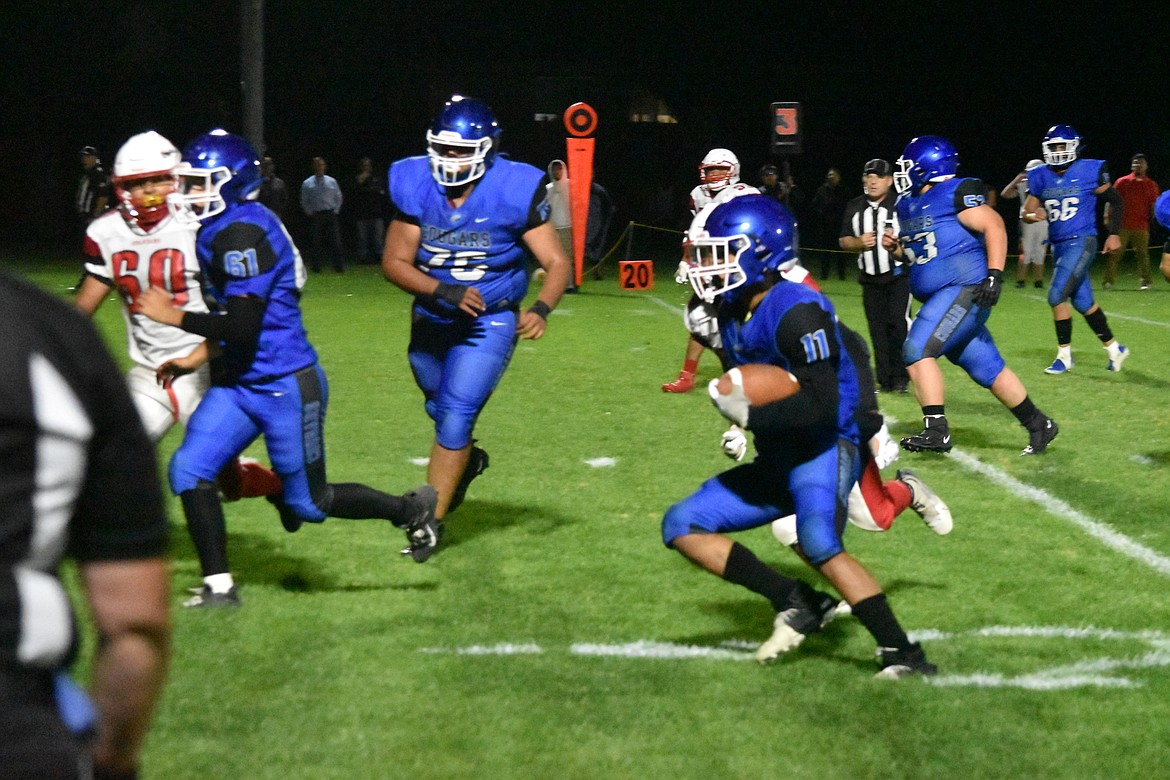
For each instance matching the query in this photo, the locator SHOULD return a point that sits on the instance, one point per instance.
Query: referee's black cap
(89, 150)
(878, 166)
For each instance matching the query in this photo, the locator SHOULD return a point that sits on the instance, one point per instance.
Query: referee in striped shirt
(885, 283)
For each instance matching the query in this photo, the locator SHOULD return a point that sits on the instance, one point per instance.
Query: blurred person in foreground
(80, 480)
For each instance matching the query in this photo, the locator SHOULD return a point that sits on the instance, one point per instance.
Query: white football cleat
(933, 511)
(1115, 361)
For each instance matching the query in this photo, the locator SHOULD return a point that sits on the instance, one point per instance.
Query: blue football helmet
(744, 241)
(219, 170)
(925, 160)
(463, 141)
(1162, 209)
(1060, 145)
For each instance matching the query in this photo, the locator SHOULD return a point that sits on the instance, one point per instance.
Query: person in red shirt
(1138, 191)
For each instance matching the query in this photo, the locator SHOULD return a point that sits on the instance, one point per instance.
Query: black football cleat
(930, 440)
(423, 531)
(477, 463)
(1040, 435)
(206, 597)
(896, 664)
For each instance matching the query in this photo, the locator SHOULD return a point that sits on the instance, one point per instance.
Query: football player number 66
(1061, 210)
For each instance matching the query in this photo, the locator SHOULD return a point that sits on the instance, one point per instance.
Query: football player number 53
(922, 248)
(165, 269)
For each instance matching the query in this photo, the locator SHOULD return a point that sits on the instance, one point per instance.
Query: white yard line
(670, 307)
(1101, 672)
(1113, 315)
(1103, 533)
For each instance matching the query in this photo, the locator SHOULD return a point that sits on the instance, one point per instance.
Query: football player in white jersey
(718, 183)
(140, 244)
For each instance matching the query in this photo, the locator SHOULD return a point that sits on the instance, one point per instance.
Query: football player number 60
(165, 269)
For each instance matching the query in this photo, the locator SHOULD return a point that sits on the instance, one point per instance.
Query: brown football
(763, 383)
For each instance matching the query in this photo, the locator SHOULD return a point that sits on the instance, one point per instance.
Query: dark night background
(346, 80)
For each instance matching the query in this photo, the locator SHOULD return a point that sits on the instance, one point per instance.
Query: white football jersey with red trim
(131, 262)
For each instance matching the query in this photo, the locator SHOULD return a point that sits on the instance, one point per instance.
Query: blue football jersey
(478, 244)
(943, 252)
(246, 251)
(1068, 197)
(795, 326)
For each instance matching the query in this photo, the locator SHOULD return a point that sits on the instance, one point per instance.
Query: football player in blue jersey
(265, 378)
(1065, 192)
(1162, 214)
(807, 443)
(957, 245)
(466, 220)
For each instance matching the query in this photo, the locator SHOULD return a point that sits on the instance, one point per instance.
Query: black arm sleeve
(1116, 209)
(969, 194)
(807, 337)
(537, 209)
(241, 323)
(869, 417)
(814, 406)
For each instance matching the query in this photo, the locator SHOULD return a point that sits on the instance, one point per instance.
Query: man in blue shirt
(1065, 192)
(807, 442)
(264, 372)
(466, 219)
(321, 201)
(957, 245)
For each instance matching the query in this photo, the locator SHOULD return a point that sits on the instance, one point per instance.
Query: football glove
(680, 275)
(451, 293)
(988, 293)
(735, 443)
(885, 450)
(735, 405)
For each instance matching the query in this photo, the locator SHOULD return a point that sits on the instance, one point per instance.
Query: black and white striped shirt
(77, 472)
(865, 216)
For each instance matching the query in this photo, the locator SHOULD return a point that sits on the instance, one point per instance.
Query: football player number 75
(165, 269)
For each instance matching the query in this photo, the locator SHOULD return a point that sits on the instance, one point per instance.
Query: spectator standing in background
(1033, 235)
(770, 183)
(601, 211)
(92, 198)
(560, 213)
(93, 189)
(1139, 192)
(273, 192)
(828, 208)
(321, 201)
(369, 198)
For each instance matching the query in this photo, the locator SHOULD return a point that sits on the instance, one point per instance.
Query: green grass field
(553, 636)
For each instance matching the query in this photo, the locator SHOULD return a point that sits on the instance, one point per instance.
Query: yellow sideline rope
(630, 228)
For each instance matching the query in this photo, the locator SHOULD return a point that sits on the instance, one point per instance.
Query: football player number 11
(636, 274)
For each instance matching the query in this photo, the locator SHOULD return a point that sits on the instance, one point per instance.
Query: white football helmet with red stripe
(718, 169)
(144, 175)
